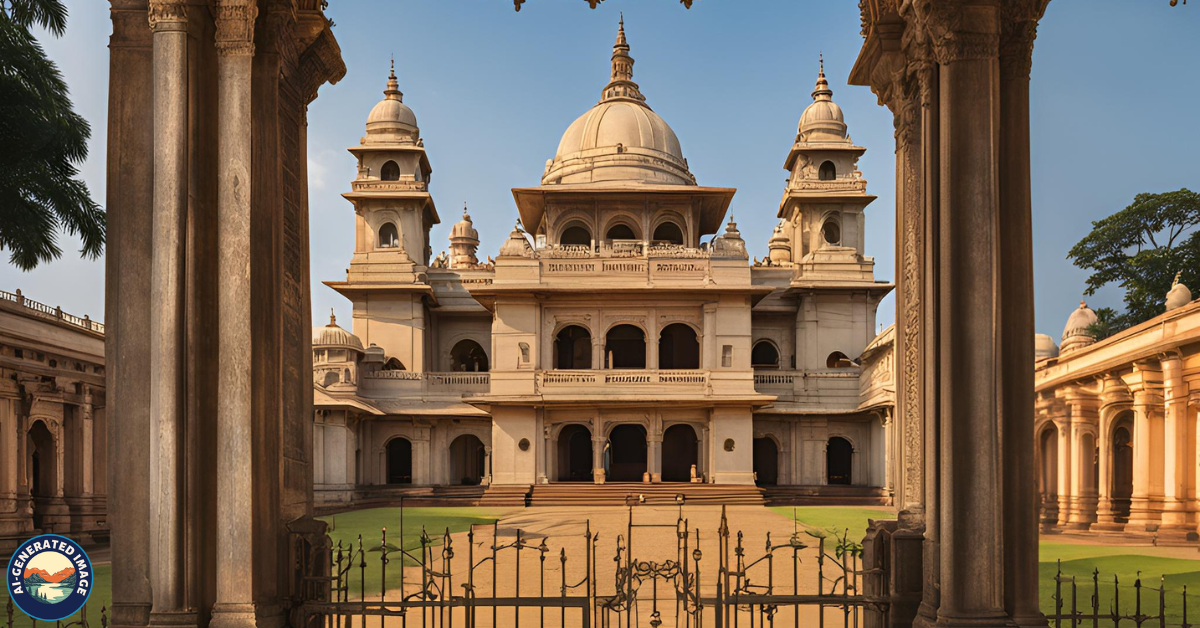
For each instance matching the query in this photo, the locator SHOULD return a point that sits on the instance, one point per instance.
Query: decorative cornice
(235, 27)
(946, 26)
(321, 63)
(167, 15)
(1018, 30)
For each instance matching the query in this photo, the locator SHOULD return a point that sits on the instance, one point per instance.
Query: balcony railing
(404, 383)
(665, 380)
(54, 313)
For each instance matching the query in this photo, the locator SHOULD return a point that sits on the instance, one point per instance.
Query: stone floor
(655, 542)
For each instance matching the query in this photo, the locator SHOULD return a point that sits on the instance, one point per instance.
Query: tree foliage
(1141, 248)
(42, 140)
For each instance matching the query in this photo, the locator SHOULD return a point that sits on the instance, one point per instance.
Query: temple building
(53, 429)
(621, 334)
(1117, 424)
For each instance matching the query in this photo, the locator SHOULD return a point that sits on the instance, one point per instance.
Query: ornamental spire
(393, 86)
(822, 91)
(621, 83)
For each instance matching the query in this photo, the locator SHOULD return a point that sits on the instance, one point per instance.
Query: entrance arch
(625, 347)
(467, 460)
(626, 453)
(575, 454)
(1122, 468)
(43, 469)
(679, 453)
(678, 347)
(399, 461)
(573, 348)
(766, 462)
(839, 461)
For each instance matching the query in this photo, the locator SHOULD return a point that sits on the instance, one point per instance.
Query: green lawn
(834, 520)
(369, 523)
(101, 598)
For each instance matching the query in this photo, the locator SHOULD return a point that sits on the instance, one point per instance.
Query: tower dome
(619, 139)
(391, 120)
(1044, 347)
(464, 242)
(1076, 333)
(822, 121)
(332, 336)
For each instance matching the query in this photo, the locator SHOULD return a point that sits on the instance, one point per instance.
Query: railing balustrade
(55, 313)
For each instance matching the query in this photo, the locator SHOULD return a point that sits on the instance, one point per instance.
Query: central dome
(620, 139)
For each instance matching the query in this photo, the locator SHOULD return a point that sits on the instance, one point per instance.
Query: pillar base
(992, 619)
(178, 619)
(1107, 526)
(233, 616)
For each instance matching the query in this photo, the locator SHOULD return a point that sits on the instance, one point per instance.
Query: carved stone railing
(832, 387)
(416, 383)
(852, 185)
(42, 310)
(377, 185)
(640, 379)
(623, 249)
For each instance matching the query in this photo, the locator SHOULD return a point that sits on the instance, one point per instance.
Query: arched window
(678, 347)
(668, 232)
(331, 378)
(467, 355)
(839, 461)
(399, 461)
(766, 462)
(573, 348)
(838, 360)
(764, 355)
(625, 347)
(575, 454)
(831, 232)
(390, 171)
(827, 172)
(389, 238)
(620, 232)
(393, 364)
(467, 460)
(576, 235)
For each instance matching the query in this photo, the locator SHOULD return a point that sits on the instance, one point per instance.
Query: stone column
(598, 458)
(234, 607)
(1179, 438)
(965, 38)
(1145, 510)
(168, 20)
(654, 455)
(1065, 467)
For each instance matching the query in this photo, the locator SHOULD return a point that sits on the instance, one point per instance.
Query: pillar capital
(959, 30)
(167, 15)
(235, 26)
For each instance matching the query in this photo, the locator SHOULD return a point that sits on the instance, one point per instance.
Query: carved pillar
(1145, 510)
(1114, 401)
(1179, 438)
(1065, 467)
(234, 607)
(168, 21)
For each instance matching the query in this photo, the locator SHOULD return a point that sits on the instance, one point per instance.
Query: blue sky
(1114, 88)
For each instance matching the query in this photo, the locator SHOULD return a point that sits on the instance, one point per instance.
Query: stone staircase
(821, 495)
(630, 493)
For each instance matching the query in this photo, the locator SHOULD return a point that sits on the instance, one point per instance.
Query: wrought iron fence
(1099, 601)
(508, 578)
(81, 621)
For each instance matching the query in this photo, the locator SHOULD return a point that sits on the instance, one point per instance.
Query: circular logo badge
(49, 577)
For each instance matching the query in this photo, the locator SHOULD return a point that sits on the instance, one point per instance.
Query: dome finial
(393, 86)
(822, 91)
(620, 84)
(332, 318)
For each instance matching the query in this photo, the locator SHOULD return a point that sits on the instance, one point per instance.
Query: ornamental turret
(464, 242)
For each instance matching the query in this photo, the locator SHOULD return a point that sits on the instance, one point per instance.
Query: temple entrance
(1122, 469)
(839, 461)
(573, 348)
(399, 461)
(43, 469)
(1048, 475)
(467, 460)
(625, 347)
(678, 347)
(626, 453)
(575, 454)
(766, 462)
(679, 453)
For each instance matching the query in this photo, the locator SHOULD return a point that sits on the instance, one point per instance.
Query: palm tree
(42, 140)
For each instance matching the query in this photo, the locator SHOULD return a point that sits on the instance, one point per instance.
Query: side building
(1117, 425)
(53, 428)
(620, 336)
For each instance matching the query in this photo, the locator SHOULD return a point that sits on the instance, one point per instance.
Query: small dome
(1179, 295)
(333, 336)
(822, 121)
(1076, 333)
(780, 246)
(464, 228)
(516, 245)
(373, 353)
(391, 115)
(1044, 347)
(621, 138)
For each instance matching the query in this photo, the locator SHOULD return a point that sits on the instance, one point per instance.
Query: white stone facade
(611, 339)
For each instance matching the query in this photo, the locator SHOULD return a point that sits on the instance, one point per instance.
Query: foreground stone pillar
(1145, 510)
(168, 21)
(234, 607)
(1179, 489)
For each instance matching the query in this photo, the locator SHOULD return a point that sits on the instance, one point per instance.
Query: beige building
(1116, 433)
(613, 338)
(53, 429)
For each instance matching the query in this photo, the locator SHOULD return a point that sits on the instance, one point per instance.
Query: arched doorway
(679, 453)
(625, 347)
(678, 347)
(626, 453)
(764, 355)
(575, 235)
(839, 461)
(390, 171)
(467, 355)
(573, 348)
(399, 461)
(1048, 472)
(766, 462)
(620, 231)
(43, 469)
(467, 460)
(668, 232)
(1122, 469)
(575, 454)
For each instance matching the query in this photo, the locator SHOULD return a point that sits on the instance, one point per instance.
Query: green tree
(1141, 248)
(42, 140)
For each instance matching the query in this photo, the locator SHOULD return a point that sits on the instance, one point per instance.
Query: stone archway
(679, 453)
(574, 454)
(766, 462)
(1048, 473)
(43, 470)
(467, 465)
(839, 462)
(399, 461)
(1121, 492)
(626, 453)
